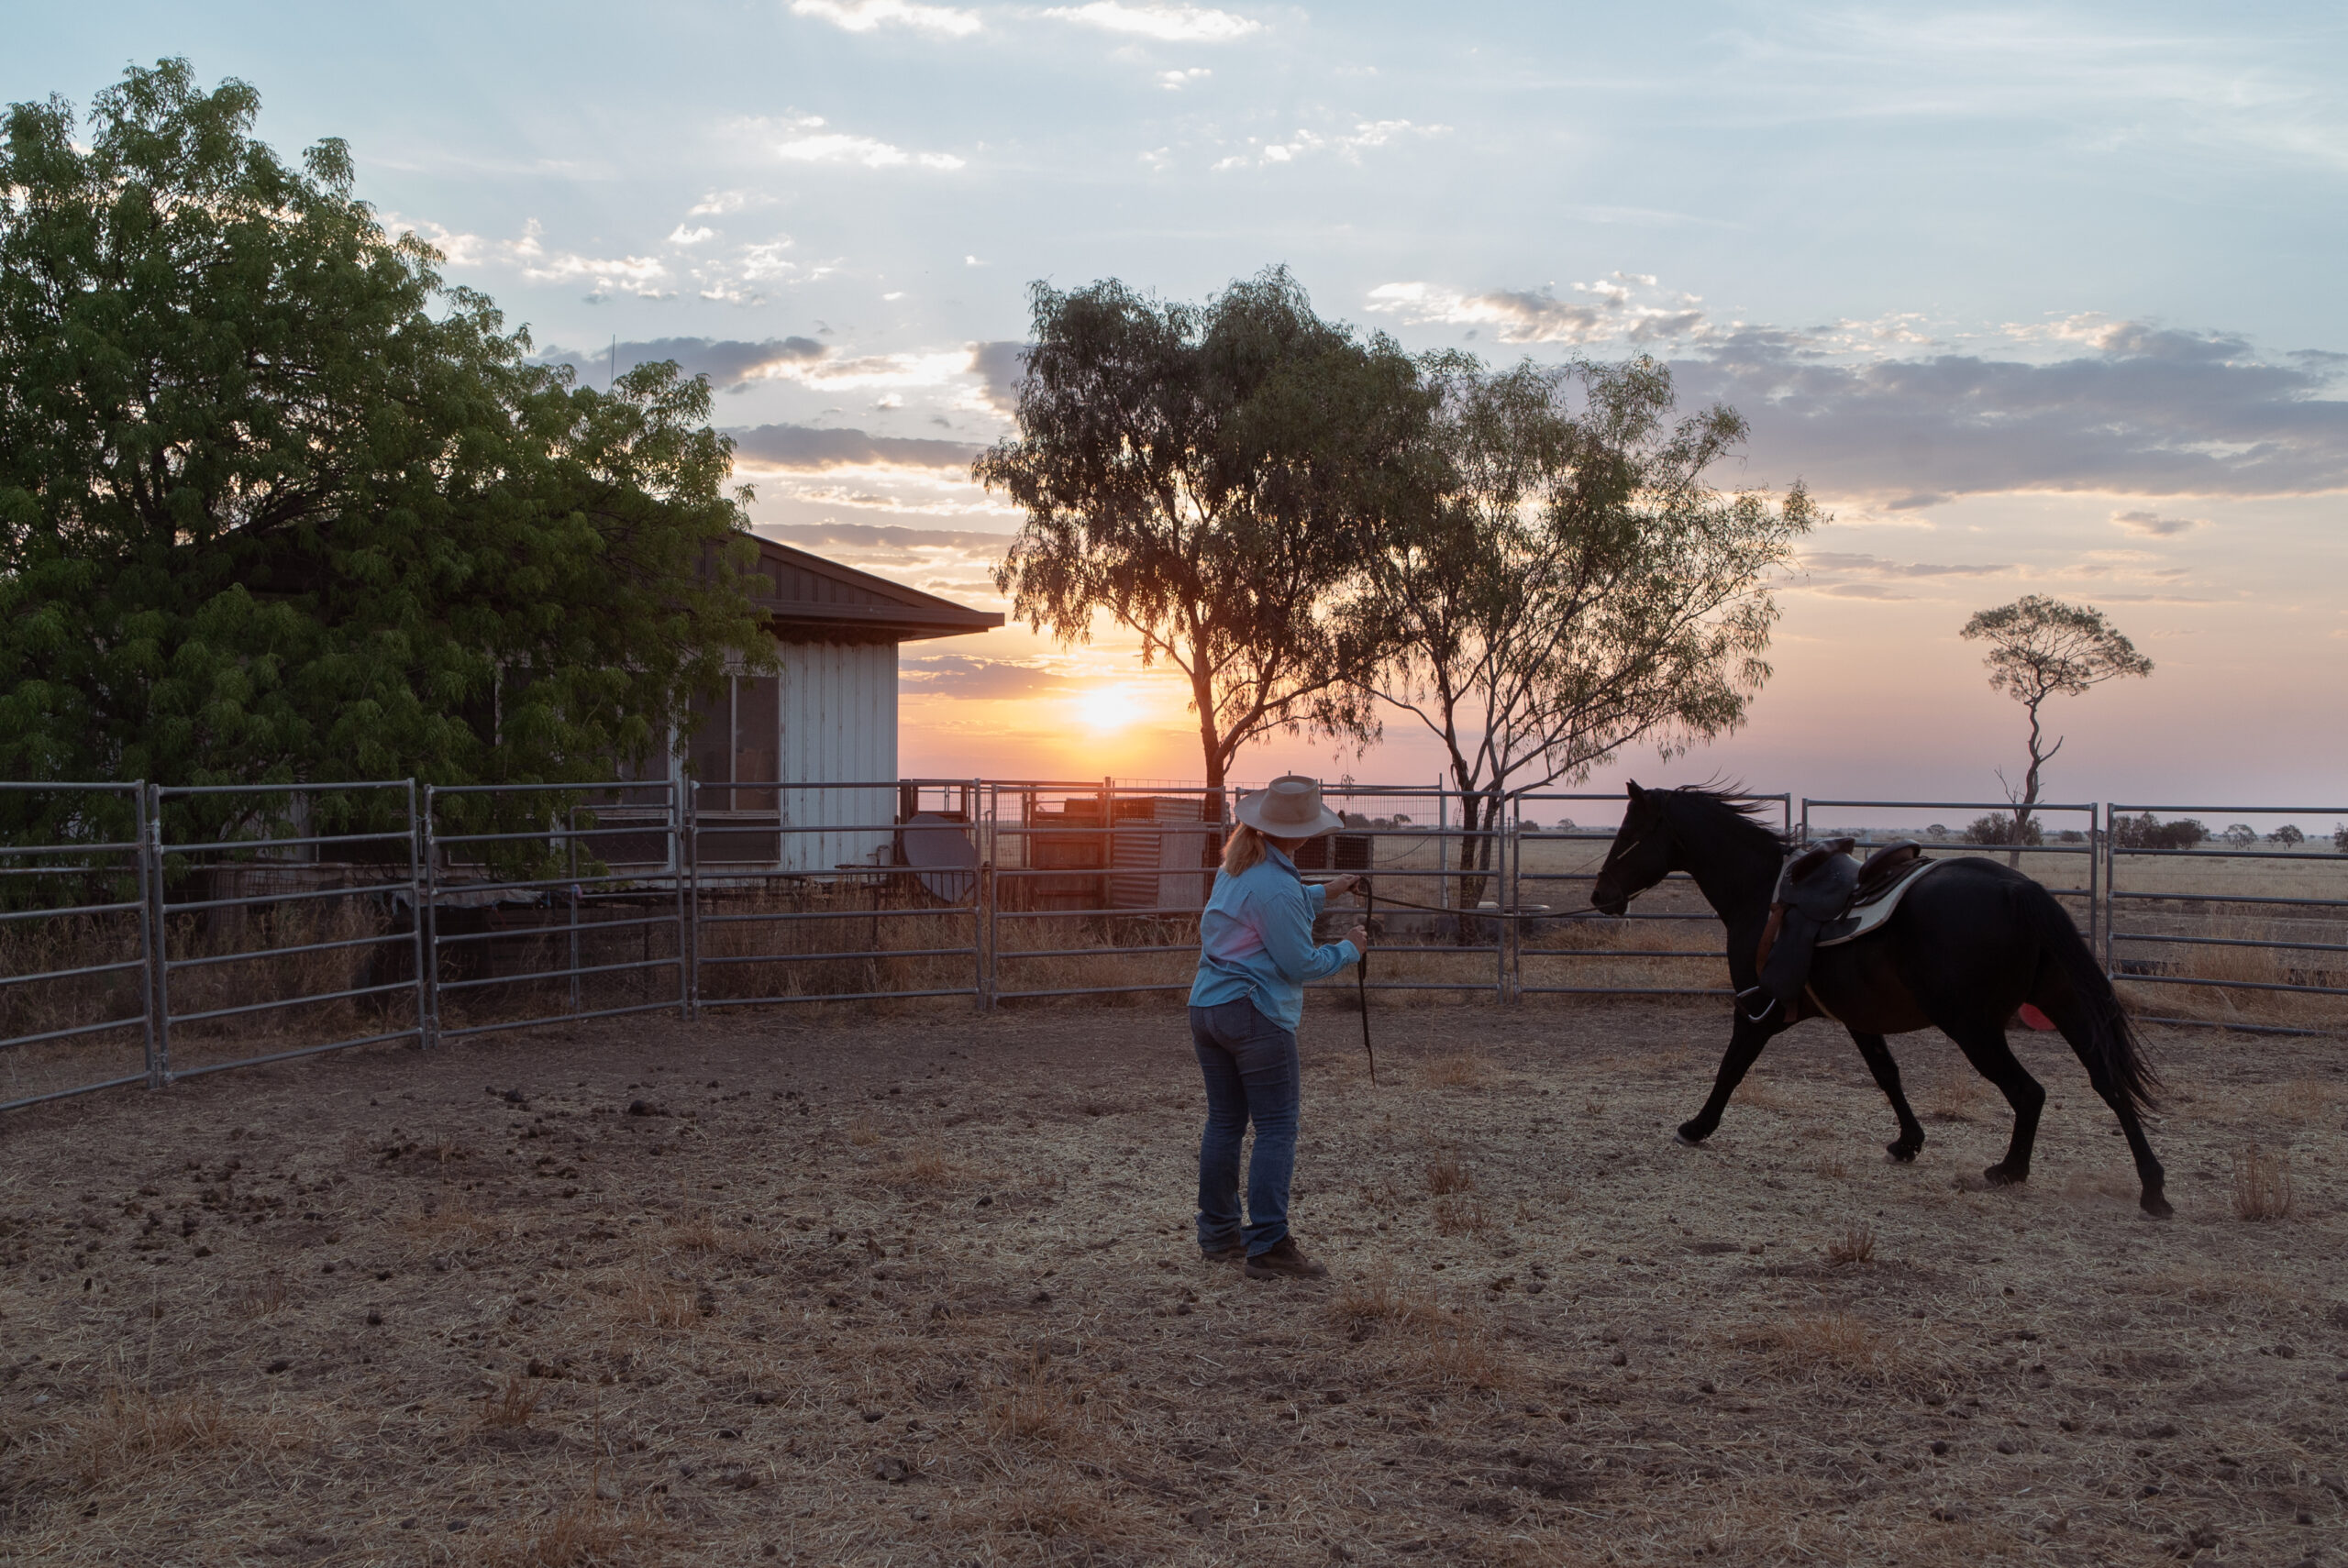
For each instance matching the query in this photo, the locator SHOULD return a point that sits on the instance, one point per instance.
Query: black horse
(1964, 949)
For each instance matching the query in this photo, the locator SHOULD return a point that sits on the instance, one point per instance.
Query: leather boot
(1285, 1260)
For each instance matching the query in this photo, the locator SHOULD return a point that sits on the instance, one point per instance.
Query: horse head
(1640, 856)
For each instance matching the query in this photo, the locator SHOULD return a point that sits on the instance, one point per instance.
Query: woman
(1255, 951)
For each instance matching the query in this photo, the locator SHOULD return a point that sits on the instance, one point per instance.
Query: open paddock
(919, 1287)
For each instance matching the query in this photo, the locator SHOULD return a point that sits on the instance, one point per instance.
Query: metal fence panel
(294, 891)
(76, 943)
(542, 904)
(775, 922)
(2234, 922)
(147, 934)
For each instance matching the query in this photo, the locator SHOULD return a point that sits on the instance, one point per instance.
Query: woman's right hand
(1359, 937)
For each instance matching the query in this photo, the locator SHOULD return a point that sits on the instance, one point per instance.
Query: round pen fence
(2235, 916)
(151, 933)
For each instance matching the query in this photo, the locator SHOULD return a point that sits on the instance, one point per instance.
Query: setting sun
(1108, 708)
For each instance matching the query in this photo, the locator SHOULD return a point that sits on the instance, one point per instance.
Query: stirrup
(1756, 1017)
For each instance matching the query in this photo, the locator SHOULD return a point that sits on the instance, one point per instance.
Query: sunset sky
(2045, 299)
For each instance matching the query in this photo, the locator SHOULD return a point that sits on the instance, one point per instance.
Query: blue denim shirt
(1255, 941)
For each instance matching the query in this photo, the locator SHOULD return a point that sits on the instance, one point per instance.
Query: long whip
(1361, 980)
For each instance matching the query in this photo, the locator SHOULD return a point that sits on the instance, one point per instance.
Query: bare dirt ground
(922, 1290)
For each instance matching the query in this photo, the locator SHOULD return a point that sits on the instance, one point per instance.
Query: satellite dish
(940, 853)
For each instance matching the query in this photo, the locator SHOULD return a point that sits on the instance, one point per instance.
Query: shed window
(737, 742)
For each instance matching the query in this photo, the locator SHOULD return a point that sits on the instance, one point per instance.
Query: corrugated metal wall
(839, 727)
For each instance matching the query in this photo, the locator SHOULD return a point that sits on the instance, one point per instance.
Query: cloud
(1166, 24)
(1367, 134)
(639, 275)
(974, 676)
(729, 365)
(1613, 309)
(804, 447)
(1846, 574)
(1175, 80)
(1002, 366)
(869, 537)
(2146, 411)
(2153, 525)
(805, 139)
(865, 16)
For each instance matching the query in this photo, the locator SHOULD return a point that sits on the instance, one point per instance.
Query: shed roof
(816, 601)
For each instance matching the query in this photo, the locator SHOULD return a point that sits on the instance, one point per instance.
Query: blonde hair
(1243, 851)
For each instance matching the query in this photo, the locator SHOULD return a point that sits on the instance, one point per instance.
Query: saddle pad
(1862, 921)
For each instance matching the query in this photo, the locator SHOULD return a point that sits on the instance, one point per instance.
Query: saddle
(1823, 898)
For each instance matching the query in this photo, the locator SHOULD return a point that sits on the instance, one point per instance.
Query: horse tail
(2113, 1037)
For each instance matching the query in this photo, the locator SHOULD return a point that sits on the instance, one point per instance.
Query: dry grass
(449, 1224)
(509, 1408)
(2261, 1184)
(1461, 1216)
(1832, 1345)
(1378, 1298)
(587, 1533)
(1446, 1175)
(1855, 1246)
(982, 1336)
(133, 1429)
(646, 1300)
(1456, 1069)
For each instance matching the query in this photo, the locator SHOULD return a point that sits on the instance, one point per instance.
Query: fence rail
(152, 934)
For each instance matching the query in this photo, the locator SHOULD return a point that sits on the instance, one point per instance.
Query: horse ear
(1631, 786)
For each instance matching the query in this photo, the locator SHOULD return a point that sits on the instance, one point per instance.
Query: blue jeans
(1252, 1075)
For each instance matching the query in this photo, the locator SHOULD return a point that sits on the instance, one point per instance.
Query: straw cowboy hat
(1290, 807)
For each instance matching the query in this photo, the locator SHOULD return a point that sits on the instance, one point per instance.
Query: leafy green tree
(2042, 648)
(277, 504)
(1571, 582)
(2289, 835)
(1205, 476)
(2241, 835)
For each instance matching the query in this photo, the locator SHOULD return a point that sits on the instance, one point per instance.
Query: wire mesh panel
(548, 903)
(901, 918)
(285, 919)
(1096, 887)
(2235, 916)
(75, 972)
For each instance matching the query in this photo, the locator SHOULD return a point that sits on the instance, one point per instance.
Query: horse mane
(1739, 809)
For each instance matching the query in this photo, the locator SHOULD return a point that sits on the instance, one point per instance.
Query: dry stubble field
(922, 1290)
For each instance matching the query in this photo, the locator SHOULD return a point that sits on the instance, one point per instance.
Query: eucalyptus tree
(2042, 648)
(276, 503)
(1571, 582)
(1208, 477)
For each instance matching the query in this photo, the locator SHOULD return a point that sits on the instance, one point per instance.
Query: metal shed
(774, 755)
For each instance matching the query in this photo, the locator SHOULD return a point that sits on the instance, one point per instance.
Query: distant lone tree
(2042, 648)
(277, 506)
(2241, 835)
(1205, 476)
(2288, 835)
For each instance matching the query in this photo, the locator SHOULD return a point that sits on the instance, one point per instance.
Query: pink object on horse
(2036, 1019)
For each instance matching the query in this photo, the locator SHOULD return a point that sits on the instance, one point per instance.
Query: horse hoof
(1998, 1175)
(2155, 1207)
(1901, 1154)
(1685, 1142)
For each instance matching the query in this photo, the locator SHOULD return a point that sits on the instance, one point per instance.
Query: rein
(1361, 983)
(1490, 914)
